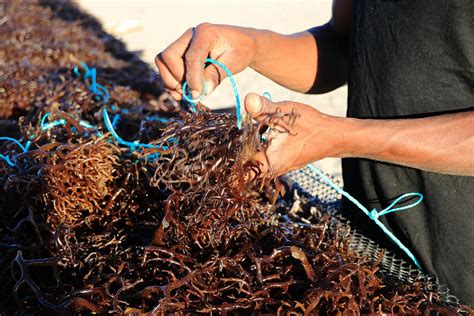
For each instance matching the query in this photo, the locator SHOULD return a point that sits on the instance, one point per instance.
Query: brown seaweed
(88, 226)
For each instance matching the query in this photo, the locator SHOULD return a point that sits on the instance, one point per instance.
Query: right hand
(184, 59)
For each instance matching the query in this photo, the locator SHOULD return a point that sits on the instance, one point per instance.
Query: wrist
(262, 38)
(360, 138)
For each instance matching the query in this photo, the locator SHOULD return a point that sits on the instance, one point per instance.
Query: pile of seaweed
(90, 223)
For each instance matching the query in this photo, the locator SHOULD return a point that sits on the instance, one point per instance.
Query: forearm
(443, 143)
(311, 61)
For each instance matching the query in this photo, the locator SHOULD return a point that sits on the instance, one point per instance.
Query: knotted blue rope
(374, 214)
(193, 102)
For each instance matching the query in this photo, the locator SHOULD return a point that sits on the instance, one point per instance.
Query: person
(409, 66)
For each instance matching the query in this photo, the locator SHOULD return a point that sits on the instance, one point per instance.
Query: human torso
(416, 59)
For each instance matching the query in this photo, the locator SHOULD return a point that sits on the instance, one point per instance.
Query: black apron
(415, 59)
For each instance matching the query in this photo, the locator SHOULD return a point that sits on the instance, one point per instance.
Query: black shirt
(415, 59)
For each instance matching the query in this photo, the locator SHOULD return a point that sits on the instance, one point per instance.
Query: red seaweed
(90, 227)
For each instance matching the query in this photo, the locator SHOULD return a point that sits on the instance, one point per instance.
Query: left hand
(306, 135)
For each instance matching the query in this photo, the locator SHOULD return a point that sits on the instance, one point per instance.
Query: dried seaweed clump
(79, 178)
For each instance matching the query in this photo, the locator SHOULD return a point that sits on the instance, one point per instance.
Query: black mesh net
(307, 187)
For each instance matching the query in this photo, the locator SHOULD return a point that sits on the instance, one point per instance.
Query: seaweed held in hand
(89, 226)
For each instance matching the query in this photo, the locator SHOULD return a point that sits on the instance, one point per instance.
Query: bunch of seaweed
(187, 224)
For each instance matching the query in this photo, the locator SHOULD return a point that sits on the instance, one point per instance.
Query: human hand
(299, 134)
(184, 59)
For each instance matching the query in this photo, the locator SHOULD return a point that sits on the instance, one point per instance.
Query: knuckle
(203, 27)
(166, 55)
(192, 59)
(158, 59)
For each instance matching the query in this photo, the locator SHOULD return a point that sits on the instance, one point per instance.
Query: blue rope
(17, 142)
(99, 90)
(267, 95)
(374, 215)
(193, 102)
(103, 94)
(60, 122)
(7, 159)
(188, 97)
(120, 140)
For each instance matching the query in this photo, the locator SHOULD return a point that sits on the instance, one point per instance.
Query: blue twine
(103, 95)
(374, 215)
(156, 118)
(60, 122)
(99, 90)
(7, 159)
(193, 102)
(102, 92)
(188, 97)
(267, 95)
(132, 145)
(115, 120)
(15, 141)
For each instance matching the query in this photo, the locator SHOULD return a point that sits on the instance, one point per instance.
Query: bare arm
(310, 61)
(443, 143)
(314, 61)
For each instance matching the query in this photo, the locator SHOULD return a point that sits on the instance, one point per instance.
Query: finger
(194, 58)
(176, 95)
(174, 63)
(170, 62)
(258, 107)
(169, 80)
(213, 76)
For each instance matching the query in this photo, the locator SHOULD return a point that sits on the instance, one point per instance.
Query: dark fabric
(415, 59)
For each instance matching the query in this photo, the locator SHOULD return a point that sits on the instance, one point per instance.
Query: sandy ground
(150, 26)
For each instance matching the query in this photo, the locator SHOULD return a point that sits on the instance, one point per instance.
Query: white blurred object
(125, 27)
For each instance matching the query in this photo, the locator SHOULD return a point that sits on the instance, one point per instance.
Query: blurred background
(149, 26)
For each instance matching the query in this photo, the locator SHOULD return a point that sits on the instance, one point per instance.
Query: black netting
(306, 184)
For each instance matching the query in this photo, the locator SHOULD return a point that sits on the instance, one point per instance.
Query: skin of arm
(442, 143)
(312, 61)
(315, 61)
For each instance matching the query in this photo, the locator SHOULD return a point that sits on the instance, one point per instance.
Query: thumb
(213, 76)
(257, 106)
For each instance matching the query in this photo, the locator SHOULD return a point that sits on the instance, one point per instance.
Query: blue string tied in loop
(374, 215)
(193, 102)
